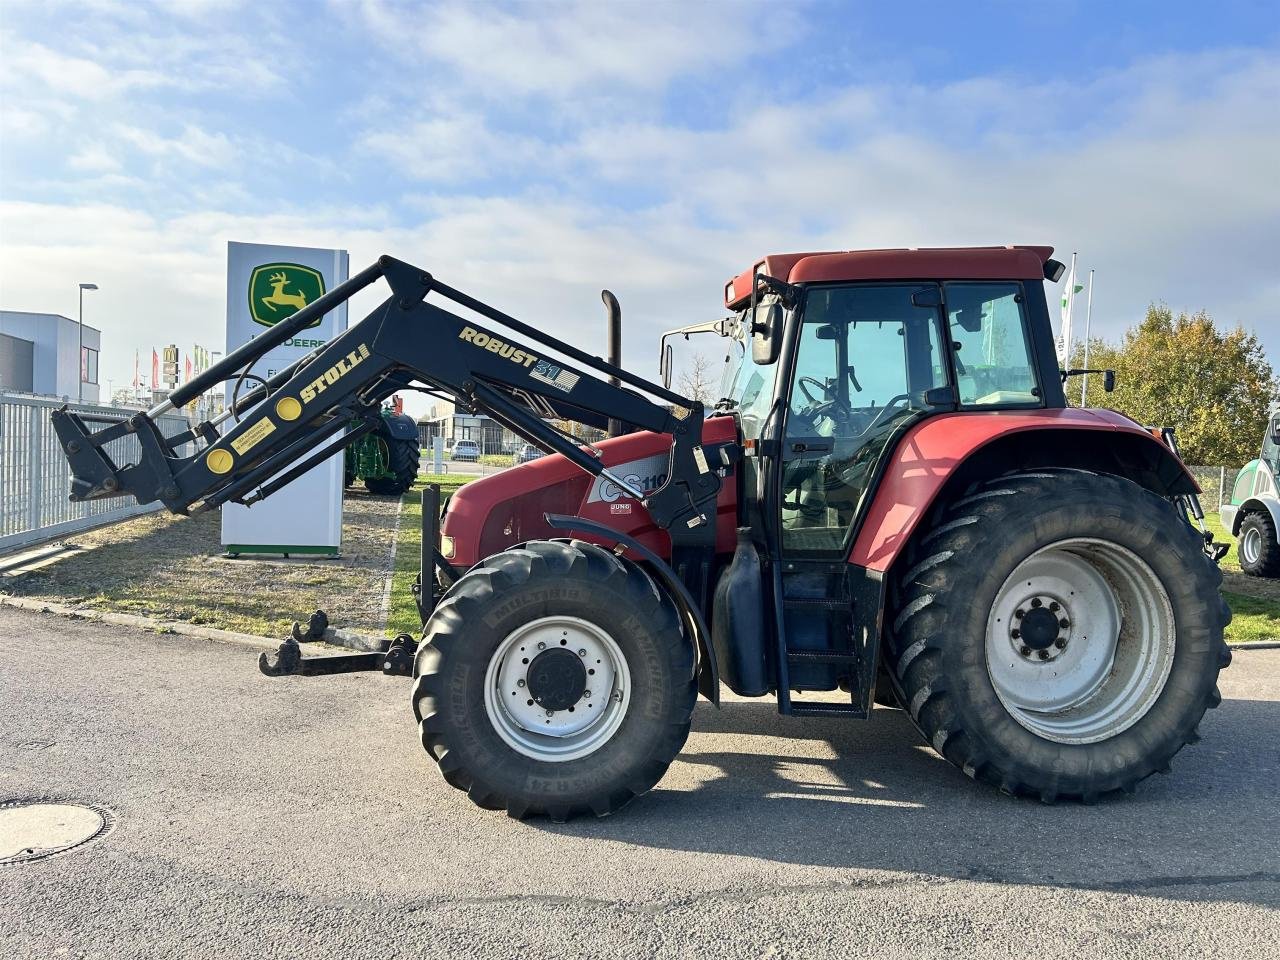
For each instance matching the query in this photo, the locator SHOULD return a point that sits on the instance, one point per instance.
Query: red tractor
(890, 499)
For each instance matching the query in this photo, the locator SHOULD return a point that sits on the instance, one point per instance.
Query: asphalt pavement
(299, 817)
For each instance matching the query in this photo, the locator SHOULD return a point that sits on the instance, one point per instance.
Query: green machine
(386, 457)
(1253, 515)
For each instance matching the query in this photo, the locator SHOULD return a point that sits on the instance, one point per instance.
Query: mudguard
(399, 426)
(929, 455)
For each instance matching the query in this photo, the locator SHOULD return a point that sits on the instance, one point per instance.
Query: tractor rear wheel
(402, 462)
(1058, 634)
(1258, 550)
(554, 678)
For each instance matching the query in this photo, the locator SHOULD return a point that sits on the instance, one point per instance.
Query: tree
(697, 380)
(1214, 388)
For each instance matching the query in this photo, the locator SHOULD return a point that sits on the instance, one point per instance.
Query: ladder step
(822, 656)
(826, 710)
(817, 603)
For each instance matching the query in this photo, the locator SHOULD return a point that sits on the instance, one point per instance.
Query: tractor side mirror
(665, 363)
(968, 318)
(766, 332)
(1108, 380)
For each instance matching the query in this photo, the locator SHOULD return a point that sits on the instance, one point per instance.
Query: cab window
(866, 359)
(989, 334)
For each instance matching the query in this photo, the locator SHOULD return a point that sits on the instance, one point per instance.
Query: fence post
(35, 471)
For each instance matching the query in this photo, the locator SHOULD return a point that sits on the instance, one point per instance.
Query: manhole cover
(31, 829)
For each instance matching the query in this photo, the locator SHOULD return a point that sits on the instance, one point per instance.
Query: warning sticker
(253, 436)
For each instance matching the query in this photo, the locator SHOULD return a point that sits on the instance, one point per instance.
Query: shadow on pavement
(871, 795)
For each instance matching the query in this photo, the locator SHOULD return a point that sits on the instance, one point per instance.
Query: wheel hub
(1040, 628)
(557, 678)
(1080, 640)
(557, 688)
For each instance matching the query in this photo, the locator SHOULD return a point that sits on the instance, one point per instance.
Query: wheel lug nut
(1044, 654)
(1025, 651)
(1019, 613)
(1060, 643)
(585, 694)
(1054, 606)
(541, 645)
(1064, 623)
(551, 713)
(1015, 634)
(582, 652)
(1037, 602)
(519, 683)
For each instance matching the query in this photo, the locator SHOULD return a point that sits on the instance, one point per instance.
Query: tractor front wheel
(1259, 549)
(1058, 634)
(554, 678)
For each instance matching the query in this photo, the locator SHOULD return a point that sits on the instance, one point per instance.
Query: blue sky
(533, 153)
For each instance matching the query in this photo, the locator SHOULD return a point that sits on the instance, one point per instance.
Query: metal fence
(1215, 484)
(35, 481)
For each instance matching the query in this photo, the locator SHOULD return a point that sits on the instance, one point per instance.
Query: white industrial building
(42, 353)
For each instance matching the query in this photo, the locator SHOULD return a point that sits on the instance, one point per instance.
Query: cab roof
(923, 263)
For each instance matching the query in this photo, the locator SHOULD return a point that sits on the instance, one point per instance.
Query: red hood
(494, 512)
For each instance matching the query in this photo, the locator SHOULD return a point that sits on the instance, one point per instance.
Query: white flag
(1069, 291)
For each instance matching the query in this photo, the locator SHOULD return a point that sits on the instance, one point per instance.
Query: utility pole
(80, 364)
(1088, 316)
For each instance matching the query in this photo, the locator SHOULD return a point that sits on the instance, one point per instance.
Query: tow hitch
(394, 659)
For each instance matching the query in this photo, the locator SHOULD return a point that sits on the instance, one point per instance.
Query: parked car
(529, 452)
(466, 450)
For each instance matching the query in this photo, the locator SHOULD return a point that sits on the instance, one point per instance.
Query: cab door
(869, 360)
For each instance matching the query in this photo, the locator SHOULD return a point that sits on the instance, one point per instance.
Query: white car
(466, 450)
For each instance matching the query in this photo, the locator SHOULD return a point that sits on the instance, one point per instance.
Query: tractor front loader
(891, 490)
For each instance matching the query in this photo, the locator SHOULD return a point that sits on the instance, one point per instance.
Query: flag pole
(1088, 316)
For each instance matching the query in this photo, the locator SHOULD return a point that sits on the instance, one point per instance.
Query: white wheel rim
(1251, 545)
(565, 734)
(1110, 657)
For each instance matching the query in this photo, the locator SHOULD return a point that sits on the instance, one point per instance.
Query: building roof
(38, 313)
(923, 263)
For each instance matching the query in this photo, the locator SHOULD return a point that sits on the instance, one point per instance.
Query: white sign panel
(266, 284)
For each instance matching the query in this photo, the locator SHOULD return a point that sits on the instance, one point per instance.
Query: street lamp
(80, 371)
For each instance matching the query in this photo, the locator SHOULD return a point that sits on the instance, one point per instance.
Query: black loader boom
(286, 425)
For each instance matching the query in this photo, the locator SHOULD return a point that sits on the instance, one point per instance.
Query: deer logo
(279, 290)
(279, 298)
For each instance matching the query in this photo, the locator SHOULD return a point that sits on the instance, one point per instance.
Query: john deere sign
(279, 290)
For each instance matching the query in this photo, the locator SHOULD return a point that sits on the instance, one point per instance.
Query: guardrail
(35, 481)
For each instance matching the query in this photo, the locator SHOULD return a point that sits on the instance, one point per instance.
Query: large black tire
(1261, 558)
(470, 626)
(961, 564)
(403, 458)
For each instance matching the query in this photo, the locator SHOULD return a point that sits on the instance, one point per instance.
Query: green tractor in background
(386, 458)
(1253, 515)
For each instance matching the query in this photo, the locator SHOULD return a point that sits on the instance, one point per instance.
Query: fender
(949, 446)
(400, 427)
(709, 675)
(1255, 504)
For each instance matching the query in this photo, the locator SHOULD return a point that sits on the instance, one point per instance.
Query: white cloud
(575, 47)
(193, 145)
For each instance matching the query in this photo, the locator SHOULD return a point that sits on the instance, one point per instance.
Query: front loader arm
(300, 417)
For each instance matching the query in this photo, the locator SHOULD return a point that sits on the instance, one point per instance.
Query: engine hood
(494, 512)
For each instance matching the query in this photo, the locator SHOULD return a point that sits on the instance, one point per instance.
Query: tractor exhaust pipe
(613, 315)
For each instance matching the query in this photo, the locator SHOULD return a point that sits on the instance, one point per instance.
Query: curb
(341, 638)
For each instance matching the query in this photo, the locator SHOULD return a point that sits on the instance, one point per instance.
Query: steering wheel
(826, 391)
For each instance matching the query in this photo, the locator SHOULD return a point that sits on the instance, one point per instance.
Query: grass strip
(402, 614)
